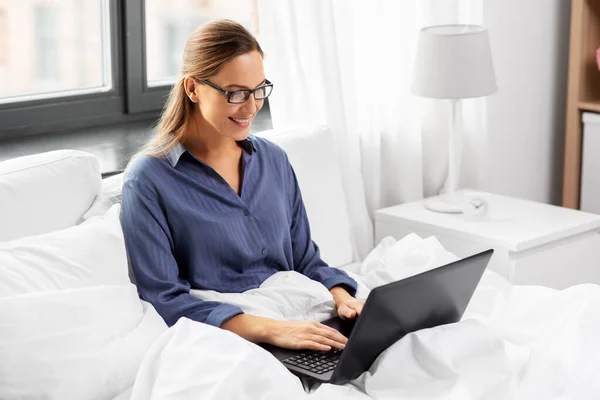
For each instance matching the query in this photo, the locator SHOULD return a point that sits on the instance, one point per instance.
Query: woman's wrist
(265, 330)
(250, 327)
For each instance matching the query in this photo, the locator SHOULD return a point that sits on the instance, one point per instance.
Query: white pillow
(74, 344)
(46, 192)
(90, 254)
(71, 324)
(311, 152)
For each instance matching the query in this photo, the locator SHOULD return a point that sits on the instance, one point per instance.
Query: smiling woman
(207, 206)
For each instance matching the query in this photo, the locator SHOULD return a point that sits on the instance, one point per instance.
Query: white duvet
(514, 342)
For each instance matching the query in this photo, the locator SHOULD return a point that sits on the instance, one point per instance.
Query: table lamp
(453, 62)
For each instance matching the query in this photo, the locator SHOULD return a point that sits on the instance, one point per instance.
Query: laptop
(435, 297)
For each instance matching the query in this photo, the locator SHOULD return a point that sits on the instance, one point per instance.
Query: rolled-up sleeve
(307, 258)
(150, 250)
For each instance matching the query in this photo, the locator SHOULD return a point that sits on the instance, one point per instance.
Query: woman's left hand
(347, 306)
(350, 308)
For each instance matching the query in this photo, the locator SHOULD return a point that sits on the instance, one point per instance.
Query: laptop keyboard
(317, 362)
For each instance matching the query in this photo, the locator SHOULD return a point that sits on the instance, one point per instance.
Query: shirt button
(264, 251)
(246, 213)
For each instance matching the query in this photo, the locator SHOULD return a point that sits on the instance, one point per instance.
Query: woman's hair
(206, 50)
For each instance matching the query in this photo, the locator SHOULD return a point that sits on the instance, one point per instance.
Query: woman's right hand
(299, 335)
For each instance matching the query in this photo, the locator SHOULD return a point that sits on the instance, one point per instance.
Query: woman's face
(232, 120)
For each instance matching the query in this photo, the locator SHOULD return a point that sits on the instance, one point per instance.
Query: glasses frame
(229, 93)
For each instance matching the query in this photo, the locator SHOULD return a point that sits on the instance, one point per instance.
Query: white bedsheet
(514, 342)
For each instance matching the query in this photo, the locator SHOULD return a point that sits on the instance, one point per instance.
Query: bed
(73, 327)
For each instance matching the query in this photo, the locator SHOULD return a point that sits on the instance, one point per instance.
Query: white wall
(529, 41)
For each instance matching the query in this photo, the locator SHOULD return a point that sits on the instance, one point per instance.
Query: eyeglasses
(240, 96)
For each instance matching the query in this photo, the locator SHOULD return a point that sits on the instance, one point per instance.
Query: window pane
(52, 48)
(169, 24)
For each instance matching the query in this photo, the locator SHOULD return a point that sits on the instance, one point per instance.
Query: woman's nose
(251, 106)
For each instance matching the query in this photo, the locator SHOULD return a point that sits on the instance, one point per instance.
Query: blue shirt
(185, 227)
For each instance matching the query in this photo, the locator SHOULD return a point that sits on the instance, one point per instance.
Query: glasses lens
(239, 96)
(262, 92)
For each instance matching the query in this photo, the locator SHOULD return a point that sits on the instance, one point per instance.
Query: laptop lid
(435, 297)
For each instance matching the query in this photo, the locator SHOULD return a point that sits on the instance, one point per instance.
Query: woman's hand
(310, 335)
(350, 308)
(288, 334)
(347, 306)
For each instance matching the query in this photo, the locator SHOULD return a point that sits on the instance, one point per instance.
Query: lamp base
(449, 204)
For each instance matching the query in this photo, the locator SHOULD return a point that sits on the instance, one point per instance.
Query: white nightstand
(534, 243)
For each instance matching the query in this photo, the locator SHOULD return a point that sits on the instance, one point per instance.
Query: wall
(529, 41)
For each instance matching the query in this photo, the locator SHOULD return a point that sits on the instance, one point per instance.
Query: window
(46, 54)
(67, 64)
(3, 58)
(173, 42)
(52, 48)
(3, 55)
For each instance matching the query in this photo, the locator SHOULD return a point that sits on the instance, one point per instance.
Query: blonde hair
(206, 50)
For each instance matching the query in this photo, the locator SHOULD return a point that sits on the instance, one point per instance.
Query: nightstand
(534, 243)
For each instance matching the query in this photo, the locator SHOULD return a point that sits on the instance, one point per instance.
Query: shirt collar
(175, 154)
(248, 144)
(178, 149)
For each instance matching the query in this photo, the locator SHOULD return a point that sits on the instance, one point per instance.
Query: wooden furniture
(534, 243)
(583, 91)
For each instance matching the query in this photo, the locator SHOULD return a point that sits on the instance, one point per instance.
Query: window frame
(140, 96)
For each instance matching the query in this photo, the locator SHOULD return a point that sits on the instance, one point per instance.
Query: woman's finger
(357, 305)
(326, 341)
(331, 333)
(313, 345)
(345, 311)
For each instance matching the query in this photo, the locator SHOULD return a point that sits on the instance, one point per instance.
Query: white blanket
(514, 342)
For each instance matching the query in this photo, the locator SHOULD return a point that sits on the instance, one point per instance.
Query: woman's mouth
(242, 123)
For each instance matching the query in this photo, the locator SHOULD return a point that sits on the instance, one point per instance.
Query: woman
(206, 206)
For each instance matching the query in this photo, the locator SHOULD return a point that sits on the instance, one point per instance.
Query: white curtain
(348, 64)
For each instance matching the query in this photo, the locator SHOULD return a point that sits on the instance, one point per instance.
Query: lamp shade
(454, 62)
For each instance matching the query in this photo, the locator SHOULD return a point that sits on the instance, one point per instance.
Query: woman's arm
(150, 251)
